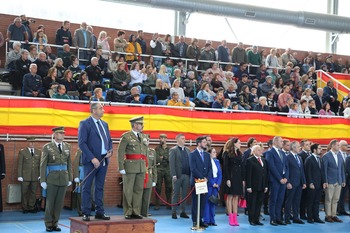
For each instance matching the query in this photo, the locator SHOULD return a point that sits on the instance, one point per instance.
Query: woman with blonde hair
(103, 42)
(233, 177)
(50, 82)
(163, 75)
(162, 92)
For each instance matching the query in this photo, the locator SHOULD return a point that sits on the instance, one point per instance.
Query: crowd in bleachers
(221, 78)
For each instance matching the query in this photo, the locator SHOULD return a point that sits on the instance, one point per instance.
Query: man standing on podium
(95, 143)
(132, 163)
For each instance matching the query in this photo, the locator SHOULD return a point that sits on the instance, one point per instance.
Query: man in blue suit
(334, 179)
(96, 145)
(201, 169)
(278, 177)
(295, 185)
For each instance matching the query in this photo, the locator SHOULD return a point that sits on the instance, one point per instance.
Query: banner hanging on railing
(38, 116)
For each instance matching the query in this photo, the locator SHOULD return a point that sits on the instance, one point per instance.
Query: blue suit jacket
(218, 179)
(347, 169)
(296, 173)
(89, 140)
(277, 166)
(200, 169)
(333, 173)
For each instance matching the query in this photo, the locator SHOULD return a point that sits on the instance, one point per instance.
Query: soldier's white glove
(69, 183)
(20, 179)
(39, 178)
(122, 172)
(153, 184)
(76, 180)
(43, 185)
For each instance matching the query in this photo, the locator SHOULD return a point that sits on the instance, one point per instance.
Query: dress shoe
(336, 219)
(213, 224)
(258, 223)
(252, 223)
(202, 224)
(298, 221)
(86, 217)
(25, 212)
(136, 216)
(173, 215)
(303, 217)
(319, 221)
(273, 223)
(280, 222)
(56, 228)
(49, 229)
(288, 222)
(266, 212)
(102, 216)
(184, 215)
(342, 213)
(33, 211)
(311, 221)
(149, 214)
(329, 219)
(128, 217)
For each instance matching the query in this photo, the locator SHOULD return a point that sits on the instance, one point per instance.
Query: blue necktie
(202, 155)
(102, 132)
(296, 157)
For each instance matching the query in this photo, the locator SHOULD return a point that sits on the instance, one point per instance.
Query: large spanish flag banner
(342, 87)
(37, 117)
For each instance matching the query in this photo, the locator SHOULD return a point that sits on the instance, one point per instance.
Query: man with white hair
(256, 183)
(82, 39)
(32, 83)
(17, 31)
(94, 72)
(319, 99)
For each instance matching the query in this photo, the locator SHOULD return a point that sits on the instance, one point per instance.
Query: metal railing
(186, 60)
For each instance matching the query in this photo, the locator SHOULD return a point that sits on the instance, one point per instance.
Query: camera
(32, 20)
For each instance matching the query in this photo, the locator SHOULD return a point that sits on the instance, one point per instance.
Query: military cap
(163, 135)
(138, 119)
(58, 129)
(30, 139)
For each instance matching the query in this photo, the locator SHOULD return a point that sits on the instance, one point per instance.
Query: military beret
(30, 139)
(163, 135)
(58, 129)
(138, 119)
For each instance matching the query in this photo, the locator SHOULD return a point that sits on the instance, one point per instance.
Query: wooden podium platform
(117, 224)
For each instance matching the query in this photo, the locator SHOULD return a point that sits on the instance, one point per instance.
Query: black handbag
(214, 199)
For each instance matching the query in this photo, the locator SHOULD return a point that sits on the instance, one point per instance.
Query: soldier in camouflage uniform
(152, 179)
(132, 159)
(55, 176)
(163, 170)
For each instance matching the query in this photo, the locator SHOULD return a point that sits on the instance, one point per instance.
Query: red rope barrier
(169, 204)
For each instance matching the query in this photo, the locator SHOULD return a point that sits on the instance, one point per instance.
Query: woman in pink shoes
(233, 172)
